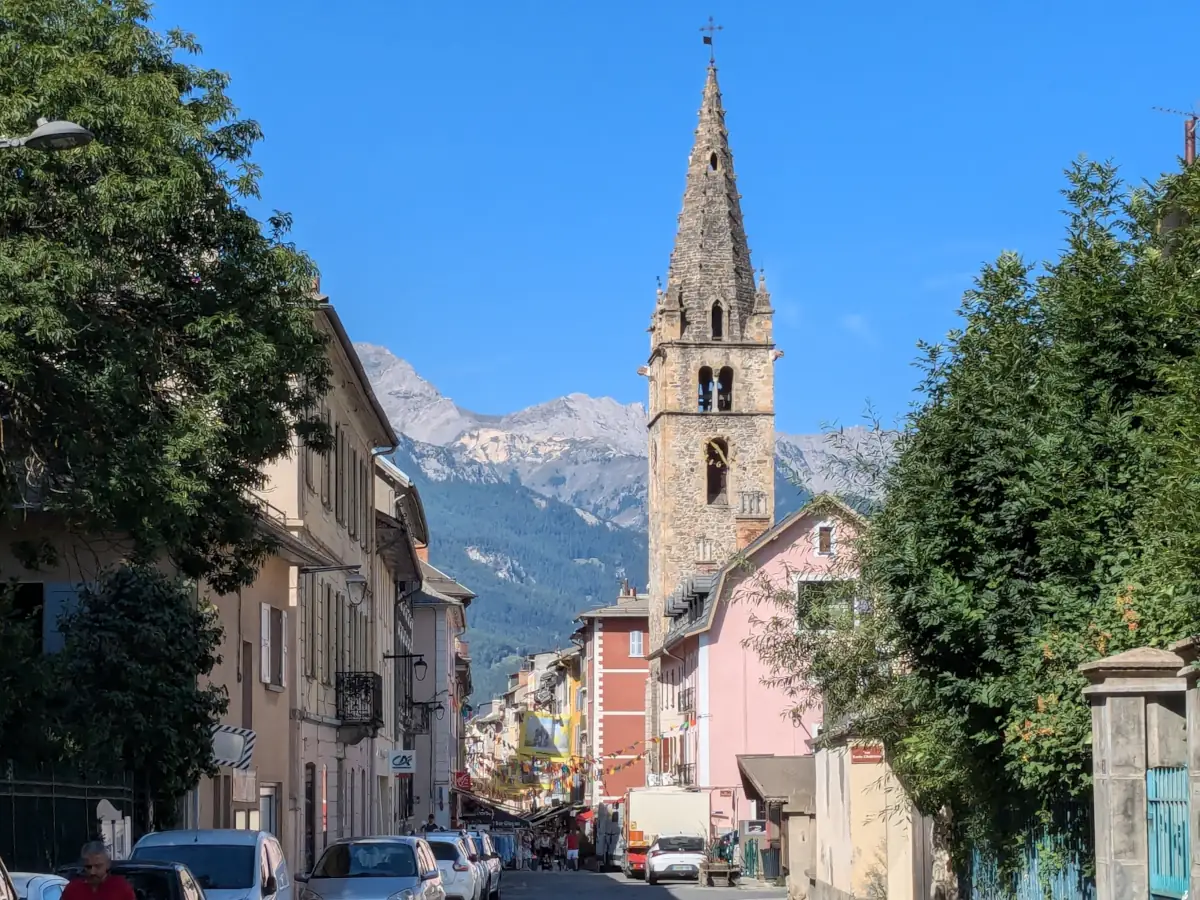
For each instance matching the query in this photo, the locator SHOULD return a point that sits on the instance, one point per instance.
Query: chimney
(1189, 141)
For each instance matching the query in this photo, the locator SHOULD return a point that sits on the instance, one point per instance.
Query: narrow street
(592, 886)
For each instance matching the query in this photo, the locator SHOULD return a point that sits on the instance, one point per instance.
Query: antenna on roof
(1189, 131)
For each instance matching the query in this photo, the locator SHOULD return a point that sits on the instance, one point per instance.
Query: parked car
(229, 863)
(475, 848)
(375, 868)
(462, 876)
(6, 885)
(488, 854)
(32, 886)
(150, 880)
(674, 856)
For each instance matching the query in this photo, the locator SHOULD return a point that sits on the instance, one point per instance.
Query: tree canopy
(132, 679)
(156, 346)
(1033, 518)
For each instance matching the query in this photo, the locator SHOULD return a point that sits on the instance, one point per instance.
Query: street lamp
(420, 667)
(356, 587)
(51, 137)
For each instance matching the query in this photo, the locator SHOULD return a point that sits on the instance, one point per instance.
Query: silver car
(375, 868)
(31, 886)
(489, 856)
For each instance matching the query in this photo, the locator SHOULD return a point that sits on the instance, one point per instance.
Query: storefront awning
(495, 813)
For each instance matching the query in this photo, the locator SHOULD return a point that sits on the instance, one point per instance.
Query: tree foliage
(156, 347)
(136, 655)
(1039, 513)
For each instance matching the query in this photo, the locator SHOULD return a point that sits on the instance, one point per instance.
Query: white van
(230, 864)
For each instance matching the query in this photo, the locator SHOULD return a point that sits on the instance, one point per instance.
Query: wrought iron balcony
(687, 700)
(685, 774)
(360, 698)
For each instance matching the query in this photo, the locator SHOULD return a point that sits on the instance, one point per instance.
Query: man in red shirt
(96, 883)
(573, 850)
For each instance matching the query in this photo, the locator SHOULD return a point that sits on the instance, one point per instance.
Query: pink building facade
(713, 704)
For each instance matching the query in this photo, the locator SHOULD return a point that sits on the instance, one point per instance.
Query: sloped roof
(781, 779)
(442, 583)
(822, 503)
(631, 607)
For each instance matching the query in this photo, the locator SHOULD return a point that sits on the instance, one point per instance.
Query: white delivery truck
(651, 811)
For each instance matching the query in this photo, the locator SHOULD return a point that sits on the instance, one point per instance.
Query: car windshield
(681, 844)
(446, 851)
(217, 867)
(367, 859)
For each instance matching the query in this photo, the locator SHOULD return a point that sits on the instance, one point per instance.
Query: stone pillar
(1136, 724)
(1189, 652)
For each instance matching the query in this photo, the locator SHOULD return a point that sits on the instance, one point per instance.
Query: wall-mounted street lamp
(420, 667)
(51, 137)
(356, 582)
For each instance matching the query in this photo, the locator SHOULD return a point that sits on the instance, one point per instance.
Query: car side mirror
(302, 879)
(429, 876)
(473, 858)
(271, 886)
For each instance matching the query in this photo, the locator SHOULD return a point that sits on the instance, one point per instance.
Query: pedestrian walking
(560, 851)
(573, 851)
(432, 824)
(96, 883)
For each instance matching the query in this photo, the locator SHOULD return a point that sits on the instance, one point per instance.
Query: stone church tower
(711, 383)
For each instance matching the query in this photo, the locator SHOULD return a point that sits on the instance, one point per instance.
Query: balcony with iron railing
(687, 700)
(685, 774)
(360, 700)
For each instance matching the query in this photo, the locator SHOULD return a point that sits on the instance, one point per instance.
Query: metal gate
(750, 858)
(1167, 827)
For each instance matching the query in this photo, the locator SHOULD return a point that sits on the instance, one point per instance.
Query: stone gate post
(1138, 723)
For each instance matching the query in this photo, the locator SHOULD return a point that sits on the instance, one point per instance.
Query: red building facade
(615, 641)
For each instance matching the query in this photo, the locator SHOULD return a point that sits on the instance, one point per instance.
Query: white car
(229, 863)
(489, 856)
(674, 856)
(31, 886)
(462, 876)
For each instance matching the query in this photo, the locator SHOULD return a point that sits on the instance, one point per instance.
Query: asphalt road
(518, 885)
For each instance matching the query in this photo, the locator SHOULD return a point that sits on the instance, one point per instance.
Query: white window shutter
(264, 662)
(283, 649)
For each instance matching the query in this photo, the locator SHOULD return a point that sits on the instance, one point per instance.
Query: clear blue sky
(491, 188)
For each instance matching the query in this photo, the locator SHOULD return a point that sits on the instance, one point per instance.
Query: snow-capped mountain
(587, 452)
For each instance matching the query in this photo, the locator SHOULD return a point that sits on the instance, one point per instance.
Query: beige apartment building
(317, 656)
(301, 643)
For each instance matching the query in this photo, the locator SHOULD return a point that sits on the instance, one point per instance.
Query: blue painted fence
(1051, 867)
(1167, 829)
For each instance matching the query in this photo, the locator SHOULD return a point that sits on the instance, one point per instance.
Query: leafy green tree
(156, 347)
(1023, 517)
(135, 656)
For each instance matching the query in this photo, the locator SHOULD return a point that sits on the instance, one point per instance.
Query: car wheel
(650, 879)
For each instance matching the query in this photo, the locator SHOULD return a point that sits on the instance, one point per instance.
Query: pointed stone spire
(710, 263)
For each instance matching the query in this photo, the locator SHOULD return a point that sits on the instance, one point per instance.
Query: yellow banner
(545, 736)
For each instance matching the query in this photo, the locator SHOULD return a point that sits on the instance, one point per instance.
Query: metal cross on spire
(712, 29)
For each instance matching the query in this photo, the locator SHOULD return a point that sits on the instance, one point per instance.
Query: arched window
(718, 321)
(713, 161)
(716, 454)
(704, 401)
(725, 390)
